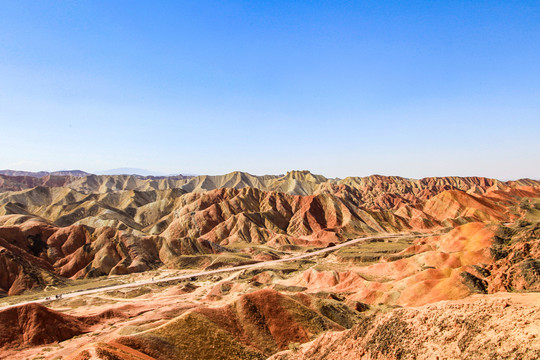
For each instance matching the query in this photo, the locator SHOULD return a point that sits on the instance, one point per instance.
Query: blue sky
(337, 87)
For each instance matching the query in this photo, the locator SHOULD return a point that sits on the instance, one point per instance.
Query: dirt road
(210, 272)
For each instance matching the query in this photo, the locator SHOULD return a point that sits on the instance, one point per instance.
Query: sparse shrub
(504, 235)
(523, 223)
(505, 232)
(525, 205)
(294, 346)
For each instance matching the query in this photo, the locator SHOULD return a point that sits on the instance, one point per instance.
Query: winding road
(210, 272)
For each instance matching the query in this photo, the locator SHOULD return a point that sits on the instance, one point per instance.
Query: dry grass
(367, 253)
(338, 312)
(228, 260)
(310, 319)
(129, 293)
(195, 337)
(532, 210)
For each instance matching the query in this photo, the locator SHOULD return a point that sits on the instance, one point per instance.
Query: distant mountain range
(40, 174)
(80, 173)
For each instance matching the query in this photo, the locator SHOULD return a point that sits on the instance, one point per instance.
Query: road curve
(210, 272)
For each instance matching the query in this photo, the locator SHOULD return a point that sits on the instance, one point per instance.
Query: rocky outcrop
(516, 265)
(503, 326)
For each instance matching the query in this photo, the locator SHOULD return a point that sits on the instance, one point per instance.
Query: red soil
(35, 324)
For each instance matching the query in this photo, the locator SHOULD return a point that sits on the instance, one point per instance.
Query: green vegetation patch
(370, 252)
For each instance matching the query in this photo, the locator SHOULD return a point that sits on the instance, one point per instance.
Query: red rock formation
(99, 231)
(34, 324)
(519, 270)
(36, 254)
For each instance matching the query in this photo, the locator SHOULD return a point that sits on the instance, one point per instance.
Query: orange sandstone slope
(455, 206)
(469, 259)
(473, 258)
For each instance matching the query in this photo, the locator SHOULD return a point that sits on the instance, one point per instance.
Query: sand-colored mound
(377, 191)
(191, 336)
(502, 326)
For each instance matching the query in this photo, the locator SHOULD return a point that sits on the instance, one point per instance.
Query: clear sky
(340, 88)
